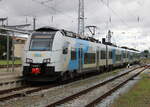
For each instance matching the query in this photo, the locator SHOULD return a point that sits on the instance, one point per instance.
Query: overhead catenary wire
(50, 7)
(43, 3)
(115, 13)
(137, 17)
(54, 10)
(46, 1)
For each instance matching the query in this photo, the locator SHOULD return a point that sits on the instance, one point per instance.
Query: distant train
(52, 54)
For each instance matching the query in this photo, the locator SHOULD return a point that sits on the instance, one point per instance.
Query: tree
(3, 45)
(146, 53)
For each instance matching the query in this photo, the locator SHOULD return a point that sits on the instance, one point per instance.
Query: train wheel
(111, 68)
(72, 74)
(102, 69)
(75, 73)
(64, 77)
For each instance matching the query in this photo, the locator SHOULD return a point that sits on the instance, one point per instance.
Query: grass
(138, 96)
(4, 62)
(145, 60)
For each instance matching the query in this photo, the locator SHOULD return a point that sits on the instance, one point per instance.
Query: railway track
(12, 82)
(22, 91)
(105, 88)
(5, 66)
(2, 92)
(8, 93)
(25, 90)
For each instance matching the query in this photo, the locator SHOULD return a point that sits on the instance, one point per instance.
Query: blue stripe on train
(73, 64)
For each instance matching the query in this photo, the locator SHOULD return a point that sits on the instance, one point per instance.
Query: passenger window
(110, 54)
(103, 54)
(73, 54)
(65, 50)
(89, 58)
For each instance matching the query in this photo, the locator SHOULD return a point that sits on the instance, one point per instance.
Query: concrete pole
(13, 58)
(34, 23)
(7, 52)
(7, 49)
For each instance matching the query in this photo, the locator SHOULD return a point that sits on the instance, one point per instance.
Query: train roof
(78, 36)
(124, 47)
(46, 29)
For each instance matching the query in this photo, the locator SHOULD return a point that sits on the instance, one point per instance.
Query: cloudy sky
(130, 19)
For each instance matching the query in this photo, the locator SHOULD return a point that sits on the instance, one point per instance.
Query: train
(57, 54)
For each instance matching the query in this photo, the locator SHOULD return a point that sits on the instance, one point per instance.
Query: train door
(122, 57)
(114, 56)
(106, 56)
(97, 58)
(80, 57)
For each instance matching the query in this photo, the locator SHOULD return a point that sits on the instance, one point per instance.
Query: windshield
(41, 43)
(38, 44)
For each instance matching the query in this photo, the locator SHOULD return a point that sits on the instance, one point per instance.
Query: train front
(37, 61)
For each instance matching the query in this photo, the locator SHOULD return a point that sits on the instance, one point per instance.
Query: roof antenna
(92, 30)
(109, 35)
(34, 23)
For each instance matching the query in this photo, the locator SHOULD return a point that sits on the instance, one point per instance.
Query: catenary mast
(81, 17)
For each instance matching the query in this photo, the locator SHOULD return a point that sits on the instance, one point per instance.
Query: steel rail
(24, 93)
(74, 96)
(96, 101)
(2, 92)
(5, 66)
(12, 82)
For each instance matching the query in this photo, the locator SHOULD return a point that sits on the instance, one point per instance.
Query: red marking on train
(35, 71)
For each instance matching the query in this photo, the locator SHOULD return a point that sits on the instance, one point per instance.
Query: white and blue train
(52, 54)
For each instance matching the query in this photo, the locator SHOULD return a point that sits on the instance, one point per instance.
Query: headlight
(48, 60)
(28, 60)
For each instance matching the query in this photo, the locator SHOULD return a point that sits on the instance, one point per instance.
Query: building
(19, 43)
